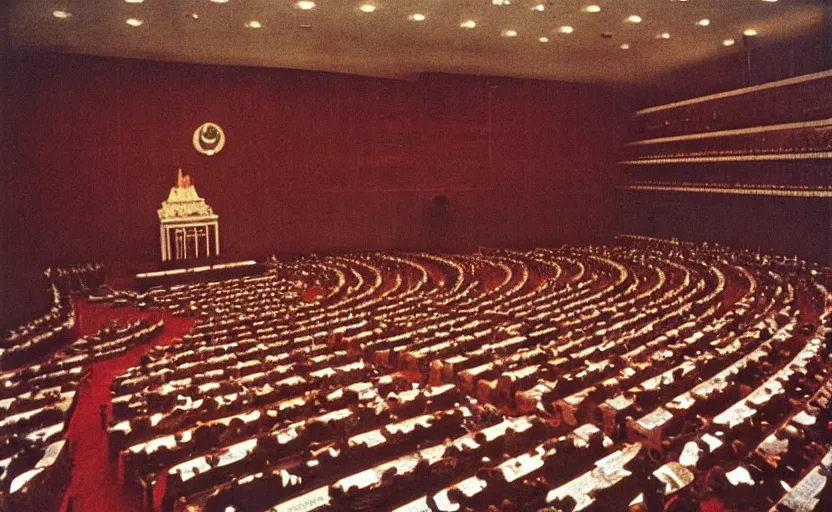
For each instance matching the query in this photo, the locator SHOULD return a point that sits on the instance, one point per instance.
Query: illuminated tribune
(188, 227)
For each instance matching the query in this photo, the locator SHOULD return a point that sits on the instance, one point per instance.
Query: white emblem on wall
(209, 139)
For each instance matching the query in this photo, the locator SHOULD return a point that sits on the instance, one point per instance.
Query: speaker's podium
(188, 228)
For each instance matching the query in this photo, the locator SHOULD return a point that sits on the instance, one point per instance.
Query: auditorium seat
(581, 378)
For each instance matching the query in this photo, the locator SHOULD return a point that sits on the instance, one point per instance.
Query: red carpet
(94, 486)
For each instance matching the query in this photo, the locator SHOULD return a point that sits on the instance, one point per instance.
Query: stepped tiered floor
(650, 375)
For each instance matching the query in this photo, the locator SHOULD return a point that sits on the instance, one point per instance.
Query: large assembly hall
(416, 256)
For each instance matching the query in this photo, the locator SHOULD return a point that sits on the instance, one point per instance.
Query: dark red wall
(313, 161)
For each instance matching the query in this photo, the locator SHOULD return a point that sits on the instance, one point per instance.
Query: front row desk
(219, 271)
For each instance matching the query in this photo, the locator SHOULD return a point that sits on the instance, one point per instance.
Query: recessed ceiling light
(305, 5)
(592, 8)
(625, 46)
(416, 17)
(253, 24)
(703, 22)
(539, 8)
(134, 1)
(500, 2)
(769, 0)
(134, 22)
(193, 15)
(633, 18)
(663, 35)
(728, 42)
(468, 24)
(566, 29)
(509, 33)
(367, 8)
(62, 15)
(749, 32)
(543, 39)
(220, 1)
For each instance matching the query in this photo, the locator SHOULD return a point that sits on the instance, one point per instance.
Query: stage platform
(147, 280)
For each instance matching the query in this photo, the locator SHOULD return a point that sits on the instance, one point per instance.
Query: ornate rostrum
(188, 227)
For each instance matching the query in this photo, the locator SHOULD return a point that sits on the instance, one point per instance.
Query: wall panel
(313, 161)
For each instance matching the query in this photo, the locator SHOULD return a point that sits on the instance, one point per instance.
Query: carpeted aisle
(95, 486)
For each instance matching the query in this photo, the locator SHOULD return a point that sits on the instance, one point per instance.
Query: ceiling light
(416, 17)
(728, 42)
(769, 0)
(253, 24)
(305, 5)
(539, 8)
(134, 1)
(592, 8)
(633, 18)
(625, 46)
(543, 39)
(220, 1)
(749, 32)
(566, 29)
(61, 14)
(367, 8)
(663, 35)
(508, 33)
(468, 24)
(500, 2)
(134, 22)
(703, 22)
(193, 15)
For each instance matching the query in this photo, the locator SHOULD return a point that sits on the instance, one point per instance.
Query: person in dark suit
(151, 481)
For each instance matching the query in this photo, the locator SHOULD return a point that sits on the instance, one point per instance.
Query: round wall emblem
(209, 139)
